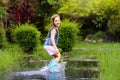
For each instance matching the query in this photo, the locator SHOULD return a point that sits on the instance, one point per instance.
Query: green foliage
(9, 58)
(104, 7)
(2, 38)
(51, 2)
(97, 36)
(91, 37)
(99, 21)
(100, 35)
(109, 64)
(86, 7)
(27, 36)
(43, 10)
(74, 7)
(68, 34)
(3, 12)
(6, 61)
(114, 24)
(47, 27)
(3, 15)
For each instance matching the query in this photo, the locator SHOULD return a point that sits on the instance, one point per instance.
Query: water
(37, 75)
(42, 74)
(71, 71)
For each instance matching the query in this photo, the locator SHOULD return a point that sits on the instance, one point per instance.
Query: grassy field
(108, 55)
(109, 64)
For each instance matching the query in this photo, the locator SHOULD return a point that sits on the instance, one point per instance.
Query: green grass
(108, 55)
(96, 45)
(14, 59)
(109, 64)
(86, 49)
(9, 57)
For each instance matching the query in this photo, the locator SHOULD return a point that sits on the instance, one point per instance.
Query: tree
(86, 7)
(104, 9)
(44, 10)
(114, 26)
(108, 9)
(74, 7)
(3, 15)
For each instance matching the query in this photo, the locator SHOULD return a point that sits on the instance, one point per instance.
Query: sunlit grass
(14, 59)
(108, 55)
(109, 64)
(97, 45)
(9, 57)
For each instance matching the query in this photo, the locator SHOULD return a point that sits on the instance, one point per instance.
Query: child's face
(57, 21)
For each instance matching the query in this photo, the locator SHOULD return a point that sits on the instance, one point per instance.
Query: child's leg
(57, 56)
(54, 64)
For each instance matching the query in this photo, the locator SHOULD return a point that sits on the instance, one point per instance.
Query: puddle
(70, 71)
(37, 75)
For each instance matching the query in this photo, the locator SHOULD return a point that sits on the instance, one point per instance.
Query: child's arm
(53, 32)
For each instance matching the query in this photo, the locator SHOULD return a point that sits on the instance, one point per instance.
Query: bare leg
(57, 56)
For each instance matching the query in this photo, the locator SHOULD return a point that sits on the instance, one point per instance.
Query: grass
(86, 49)
(14, 59)
(9, 57)
(109, 64)
(108, 56)
(96, 45)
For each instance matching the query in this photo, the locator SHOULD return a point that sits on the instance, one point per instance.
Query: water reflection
(56, 76)
(37, 75)
(42, 74)
(70, 73)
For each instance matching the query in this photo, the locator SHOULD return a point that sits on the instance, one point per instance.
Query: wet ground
(82, 69)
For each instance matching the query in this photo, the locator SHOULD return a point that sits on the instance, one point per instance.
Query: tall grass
(9, 60)
(97, 45)
(108, 55)
(109, 65)
(6, 60)
(14, 59)
(9, 57)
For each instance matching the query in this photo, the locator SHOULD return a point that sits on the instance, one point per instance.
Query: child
(51, 42)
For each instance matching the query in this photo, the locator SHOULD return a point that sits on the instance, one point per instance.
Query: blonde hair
(53, 18)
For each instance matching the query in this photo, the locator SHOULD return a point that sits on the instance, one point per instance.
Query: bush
(2, 38)
(27, 36)
(100, 35)
(97, 37)
(68, 33)
(91, 37)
